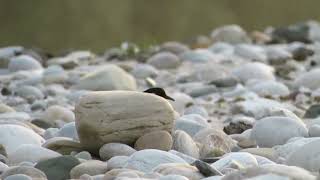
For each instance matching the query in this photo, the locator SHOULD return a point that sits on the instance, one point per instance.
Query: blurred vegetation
(99, 24)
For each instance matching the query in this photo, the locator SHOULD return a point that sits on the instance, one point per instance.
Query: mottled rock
(161, 140)
(183, 143)
(146, 160)
(92, 167)
(110, 150)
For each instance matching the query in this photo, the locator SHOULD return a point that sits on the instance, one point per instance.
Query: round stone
(107, 78)
(26, 170)
(24, 63)
(59, 167)
(57, 112)
(92, 167)
(254, 70)
(271, 131)
(183, 143)
(146, 160)
(12, 136)
(314, 130)
(117, 162)
(309, 79)
(306, 156)
(161, 140)
(110, 150)
(232, 34)
(164, 60)
(18, 177)
(30, 153)
(120, 116)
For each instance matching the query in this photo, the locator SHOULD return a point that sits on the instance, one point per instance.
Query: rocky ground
(246, 106)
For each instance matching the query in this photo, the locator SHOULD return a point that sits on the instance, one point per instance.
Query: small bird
(159, 91)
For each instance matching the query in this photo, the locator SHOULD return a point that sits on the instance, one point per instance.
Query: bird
(158, 91)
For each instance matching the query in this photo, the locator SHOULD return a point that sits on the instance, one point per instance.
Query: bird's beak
(170, 98)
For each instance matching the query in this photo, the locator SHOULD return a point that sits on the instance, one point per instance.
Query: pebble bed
(234, 106)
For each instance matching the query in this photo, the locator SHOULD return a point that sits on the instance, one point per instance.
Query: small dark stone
(206, 169)
(225, 82)
(160, 92)
(41, 123)
(301, 53)
(236, 128)
(297, 32)
(313, 111)
(5, 91)
(211, 159)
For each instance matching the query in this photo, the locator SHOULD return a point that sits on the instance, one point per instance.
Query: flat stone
(146, 160)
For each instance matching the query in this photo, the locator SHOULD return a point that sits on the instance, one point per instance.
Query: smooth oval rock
(309, 79)
(120, 116)
(12, 136)
(254, 70)
(306, 156)
(30, 153)
(58, 168)
(92, 167)
(108, 78)
(213, 142)
(117, 162)
(146, 160)
(110, 150)
(63, 145)
(186, 170)
(184, 143)
(24, 63)
(57, 112)
(164, 60)
(18, 177)
(271, 131)
(232, 34)
(161, 140)
(26, 170)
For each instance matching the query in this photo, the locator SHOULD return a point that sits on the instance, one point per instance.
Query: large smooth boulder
(12, 136)
(276, 130)
(108, 78)
(232, 34)
(120, 116)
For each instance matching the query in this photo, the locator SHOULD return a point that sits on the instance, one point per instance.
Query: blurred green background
(99, 24)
